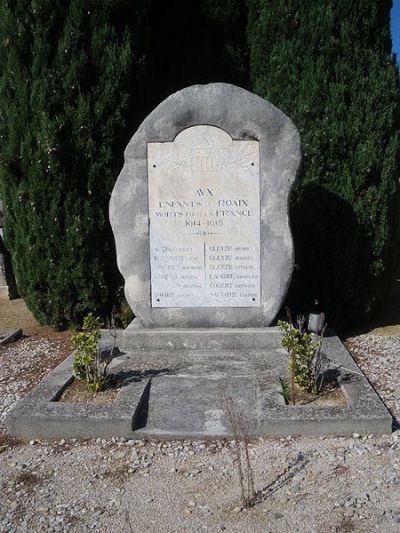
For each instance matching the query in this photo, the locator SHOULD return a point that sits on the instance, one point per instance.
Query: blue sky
(395, 18)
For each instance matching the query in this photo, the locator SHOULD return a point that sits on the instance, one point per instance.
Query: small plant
(88, 365)
(285, 389)
(241, 452)
(306, 360)
(125, 314)
(301, 349)
(122, 312)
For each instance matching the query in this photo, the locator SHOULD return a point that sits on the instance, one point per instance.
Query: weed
(125, 314)
(122, 311)
(7, 442)
(285, 389)
(241, 451)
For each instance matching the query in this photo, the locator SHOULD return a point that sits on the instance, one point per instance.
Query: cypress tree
(196, 42)
(71, 90)
(228, 19)
(76, 79)
(328, 65)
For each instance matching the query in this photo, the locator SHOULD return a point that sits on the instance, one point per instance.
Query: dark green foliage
(228, 19)
(77, 77)
(69, 73)
(9, 273)
(328, 66)
(196, 42)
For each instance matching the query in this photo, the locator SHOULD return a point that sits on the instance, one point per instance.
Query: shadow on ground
(386, 321)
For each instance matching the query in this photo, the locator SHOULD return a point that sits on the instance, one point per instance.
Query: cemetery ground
(305, 484)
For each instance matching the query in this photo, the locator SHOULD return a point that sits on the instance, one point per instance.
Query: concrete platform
(190, 393)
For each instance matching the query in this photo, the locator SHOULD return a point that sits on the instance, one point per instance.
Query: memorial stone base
(182, 385)
(136, 337)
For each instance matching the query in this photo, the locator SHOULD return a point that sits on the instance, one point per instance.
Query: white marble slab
(204, 211)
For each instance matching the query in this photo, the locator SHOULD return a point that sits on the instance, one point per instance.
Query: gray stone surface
(136, 337)
(187, 394)
(40, 415)
(244, 116)
(9, 335)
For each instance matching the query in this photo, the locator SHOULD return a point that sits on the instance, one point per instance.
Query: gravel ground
(379, 358)
(23, 364)
(302, 484)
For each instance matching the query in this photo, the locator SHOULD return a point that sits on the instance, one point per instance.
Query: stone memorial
(200, 211)
(200, 218)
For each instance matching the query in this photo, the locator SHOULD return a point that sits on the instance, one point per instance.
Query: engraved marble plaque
(204, 210)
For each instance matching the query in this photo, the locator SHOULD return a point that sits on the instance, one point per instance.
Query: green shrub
(76, 79)
(71, 88)
(87, 365)
(328, 66)
(302, 351)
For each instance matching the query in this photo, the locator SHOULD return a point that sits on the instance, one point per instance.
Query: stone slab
(137, 337)
(178, 394)
(9, 335)
(244, 117)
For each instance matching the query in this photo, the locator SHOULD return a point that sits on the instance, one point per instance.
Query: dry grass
(7, 442)
(14, 315)
(241, 452)
(77, 392)
(330, 395)
(28, 479)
